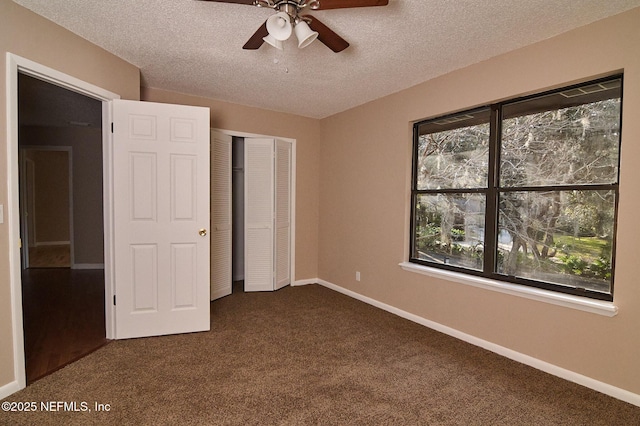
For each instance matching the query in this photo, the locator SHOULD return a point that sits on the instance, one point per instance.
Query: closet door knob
(202, 232)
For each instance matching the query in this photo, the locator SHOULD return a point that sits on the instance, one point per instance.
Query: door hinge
(114, 300)
(111, 127)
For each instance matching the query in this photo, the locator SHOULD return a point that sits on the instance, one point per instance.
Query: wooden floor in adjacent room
(63, 312)
(56, 256)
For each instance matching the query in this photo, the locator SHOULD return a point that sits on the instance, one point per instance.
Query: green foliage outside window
(555, 189)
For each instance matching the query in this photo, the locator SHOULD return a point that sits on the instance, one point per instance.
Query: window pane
(456, 157)
(449, 229)
(575, 145)
(560, 237)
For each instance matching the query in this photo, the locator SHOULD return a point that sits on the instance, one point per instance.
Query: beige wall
(305, 131)
(365, 161)
(30, 36)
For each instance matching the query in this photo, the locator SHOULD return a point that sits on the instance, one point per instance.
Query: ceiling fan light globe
(279, 26)
(274, 42)
(304, 34)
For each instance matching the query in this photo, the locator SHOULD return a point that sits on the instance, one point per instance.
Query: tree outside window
(523, 191)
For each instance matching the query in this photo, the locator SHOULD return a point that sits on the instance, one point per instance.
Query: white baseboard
(52, 243)
(87, 266)
(552, 369)
(9, 389)
(305, 282)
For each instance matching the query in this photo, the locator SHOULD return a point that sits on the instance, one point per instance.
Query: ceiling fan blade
(343, 4)
(332, 40)
(247, 2)
(256, 39)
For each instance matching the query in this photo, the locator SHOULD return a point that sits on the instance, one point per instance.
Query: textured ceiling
(195, 47)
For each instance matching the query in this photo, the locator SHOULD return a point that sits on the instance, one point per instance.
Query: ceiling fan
(288, 20)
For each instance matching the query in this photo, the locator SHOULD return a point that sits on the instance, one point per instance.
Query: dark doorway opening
(62, 229)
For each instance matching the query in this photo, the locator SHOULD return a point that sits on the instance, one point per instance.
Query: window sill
(569, 301)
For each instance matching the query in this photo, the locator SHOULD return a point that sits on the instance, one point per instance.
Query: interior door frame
(14, 65)
(234, 133)
(27, 198)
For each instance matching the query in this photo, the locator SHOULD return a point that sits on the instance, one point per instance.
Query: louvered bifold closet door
(259, 214)
(283, 214)
(221, 215)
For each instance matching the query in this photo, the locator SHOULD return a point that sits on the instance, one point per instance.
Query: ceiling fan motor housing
(296, 4)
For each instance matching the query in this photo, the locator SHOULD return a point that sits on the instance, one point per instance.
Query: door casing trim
(16, 64)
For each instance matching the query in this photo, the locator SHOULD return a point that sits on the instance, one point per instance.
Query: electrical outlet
(357, 275)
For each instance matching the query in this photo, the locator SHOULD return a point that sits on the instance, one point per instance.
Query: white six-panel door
(161, 218)
(221, 215)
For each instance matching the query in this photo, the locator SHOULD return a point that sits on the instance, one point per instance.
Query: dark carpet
(309, 355)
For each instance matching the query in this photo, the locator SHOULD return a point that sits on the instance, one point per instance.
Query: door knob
(202, 232)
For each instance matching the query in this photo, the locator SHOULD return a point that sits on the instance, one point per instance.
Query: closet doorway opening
(237, 209)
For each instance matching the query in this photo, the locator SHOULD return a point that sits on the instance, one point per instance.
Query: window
(523, 191)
